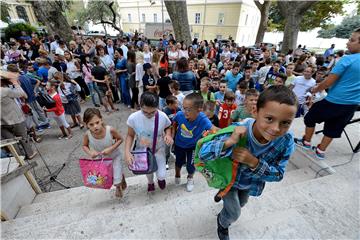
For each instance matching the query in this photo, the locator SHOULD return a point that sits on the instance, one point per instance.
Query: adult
(232, 77)
(201, 72)
(184, 76)
(123, 47)
(13, 55)
(121, 71)
(329, 51)
(342, 100)
(183, 52)
(298, 52)
(132, 83)
(86, 70)
(300, 65)
(12, 117)
(212, 53)
(147, 54)
(173, 56)
(110, 47)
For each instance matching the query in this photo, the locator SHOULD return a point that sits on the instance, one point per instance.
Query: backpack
(221, 172)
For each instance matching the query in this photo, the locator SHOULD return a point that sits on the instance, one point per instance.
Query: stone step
(130, 220)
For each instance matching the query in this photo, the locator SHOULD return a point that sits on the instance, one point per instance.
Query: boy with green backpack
(261, 157)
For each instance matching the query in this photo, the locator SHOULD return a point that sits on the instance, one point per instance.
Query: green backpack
(219, 173)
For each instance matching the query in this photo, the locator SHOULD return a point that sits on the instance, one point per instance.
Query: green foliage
(5, 17)
(14, 30)
(343, 30)
(318, 15)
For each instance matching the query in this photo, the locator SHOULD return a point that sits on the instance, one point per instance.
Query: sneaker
(177, 180)
(96, 105)
(190, 185)
(302, 143)
(223, 233)
(167, 166)
(318, 153)
(162, 184)
(151, 187)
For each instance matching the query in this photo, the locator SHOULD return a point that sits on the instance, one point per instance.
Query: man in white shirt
(124, 48)
(110, 47)
(54, 44)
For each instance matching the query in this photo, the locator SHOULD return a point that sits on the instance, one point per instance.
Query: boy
(274, 72)
(290, 74)
(269, 147)
(190, 125)
(148, 79)
(243, 112)
(172, 107)
(204, 89)
(226, 109)
(280, 79)
(219, 95)
(209, 110)
(214, 85)
(302, 85)
(240, 93)
(247, 77)
(163, 85)
(174, 87)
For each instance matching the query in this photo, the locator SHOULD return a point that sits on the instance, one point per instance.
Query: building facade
(208, 19)
(22, 10)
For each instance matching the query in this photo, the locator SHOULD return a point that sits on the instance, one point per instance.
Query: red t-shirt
(225, 112)
(59, 108)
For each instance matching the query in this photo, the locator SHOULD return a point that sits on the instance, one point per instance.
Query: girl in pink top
(86, 69)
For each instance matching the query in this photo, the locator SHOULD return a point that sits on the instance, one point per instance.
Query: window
(221, 18)
(143, 17)
(129, 17)
(155, 17)
(218, 37)
(197, 18)
(246, 19)
(21, 12)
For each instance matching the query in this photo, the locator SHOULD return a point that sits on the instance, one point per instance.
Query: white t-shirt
(183, 53)
(302, 86)
(180, 97)
(148, 57)
(125, 50)
(239, 98)
(139, 73)
(144, 129)
(173, 55)
(60, 51)
(262, 73)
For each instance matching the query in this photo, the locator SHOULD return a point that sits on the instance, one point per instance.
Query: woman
(201, 72)
(173, 55)
(131, 66)
(300, 65)
(183, 52)
(184, 76)
(164, 62)
(121, 71)
(74, 71)
(212, 53)
(147, 54)
(86, 70)
(12, 118)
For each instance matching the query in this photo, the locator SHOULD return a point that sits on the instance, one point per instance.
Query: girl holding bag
(141, 125)
(103, 140)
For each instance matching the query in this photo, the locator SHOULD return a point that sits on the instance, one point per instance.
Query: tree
(264, 10)
(5, 16)
(102, 12)
(15, 30)
(50, 13)
(318, 15)
(343, 30)
(178, 14)
(293, 12)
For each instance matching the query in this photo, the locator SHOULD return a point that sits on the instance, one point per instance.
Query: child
(219, 95)
(280, 79)
(148, 79)
(163, 85)
(190, 125)
(226, 109)
(171, 109)
(58, 111)
(104, 140)
(245, 111)
(290, 74)
(240, 93)
(204, 89)
(214, 85)
(209, 110)
(141, 125)
(269, 147)
(174, 87)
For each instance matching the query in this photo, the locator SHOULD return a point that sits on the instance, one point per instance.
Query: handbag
(144, 159)
(45, 100)
(97, 173)
(72, 97)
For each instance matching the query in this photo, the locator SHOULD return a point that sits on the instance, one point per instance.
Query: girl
(104, 140)
(133, 84)
(58, 111)
(86, 69)
(141, 125)
(67, 90)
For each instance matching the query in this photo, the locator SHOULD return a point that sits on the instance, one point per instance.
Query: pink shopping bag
(97, 173)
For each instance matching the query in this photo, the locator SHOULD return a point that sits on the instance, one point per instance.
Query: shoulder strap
(155, 131)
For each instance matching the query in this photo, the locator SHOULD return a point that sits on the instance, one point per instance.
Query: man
(123, 47)
(110, 47)
(329, 51)
(232, 77)
(338, 107)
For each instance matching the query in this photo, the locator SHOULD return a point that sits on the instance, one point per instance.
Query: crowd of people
(192, 89)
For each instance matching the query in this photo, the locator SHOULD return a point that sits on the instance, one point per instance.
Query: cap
(146, 66)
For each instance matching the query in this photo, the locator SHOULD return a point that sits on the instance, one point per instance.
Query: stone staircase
(300, 206)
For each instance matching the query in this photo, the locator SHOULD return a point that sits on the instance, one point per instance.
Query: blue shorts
(335, 117)
(185, 156)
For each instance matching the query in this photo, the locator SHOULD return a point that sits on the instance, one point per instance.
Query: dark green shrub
(14, 30)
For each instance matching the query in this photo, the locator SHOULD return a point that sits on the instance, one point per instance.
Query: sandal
(118, 192)
(62, 136)
(123, 184)
(68, 136)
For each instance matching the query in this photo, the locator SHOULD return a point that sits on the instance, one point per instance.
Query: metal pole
(162, 15)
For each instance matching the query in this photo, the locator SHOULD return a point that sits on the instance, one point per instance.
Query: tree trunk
(264, 10)
(50, 14)
(293, 12)
(178, 14)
